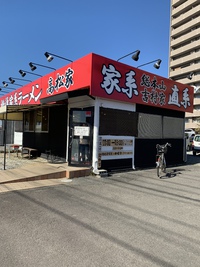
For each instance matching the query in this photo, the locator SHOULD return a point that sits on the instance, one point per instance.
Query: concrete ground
(126, 219)
(21, 172)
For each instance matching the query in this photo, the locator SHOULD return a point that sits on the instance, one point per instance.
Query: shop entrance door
(80, 137)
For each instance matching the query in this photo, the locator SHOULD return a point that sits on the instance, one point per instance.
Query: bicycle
(160, 158)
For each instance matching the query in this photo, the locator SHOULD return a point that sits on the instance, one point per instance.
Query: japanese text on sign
(16, 98)
(81, 130)
(114, 142)
(115, 148)
(153, 92)
(61, 81)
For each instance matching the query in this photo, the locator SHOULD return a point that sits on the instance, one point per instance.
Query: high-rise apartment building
(184, 54)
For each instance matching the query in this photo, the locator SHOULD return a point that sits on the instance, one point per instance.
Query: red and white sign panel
(106, 78)
(75, 76)
(114, 80)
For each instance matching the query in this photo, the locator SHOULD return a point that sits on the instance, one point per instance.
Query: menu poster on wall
(81, 131)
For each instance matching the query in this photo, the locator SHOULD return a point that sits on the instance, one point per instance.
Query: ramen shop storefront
(96, 111)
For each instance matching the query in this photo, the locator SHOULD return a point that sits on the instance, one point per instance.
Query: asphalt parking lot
(126, 219)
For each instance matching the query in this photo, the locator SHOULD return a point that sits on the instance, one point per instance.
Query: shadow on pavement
(172, 173)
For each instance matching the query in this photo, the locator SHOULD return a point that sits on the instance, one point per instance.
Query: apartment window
(196, 120)
(185, 66)
(197, 107)
(182, 56)
(36, 120)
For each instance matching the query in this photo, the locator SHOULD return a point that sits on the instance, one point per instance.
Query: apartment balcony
(186, 26)
(185, 38)
(182, 15)
(185, 80)
(192, 125)
(185, 48)
(185, 71)
(196, 113)
(184, 60)
(181, 4)
(196, 101)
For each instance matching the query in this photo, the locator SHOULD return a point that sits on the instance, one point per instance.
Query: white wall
(18, 138)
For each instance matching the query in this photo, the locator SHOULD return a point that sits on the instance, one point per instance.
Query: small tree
(197, 130)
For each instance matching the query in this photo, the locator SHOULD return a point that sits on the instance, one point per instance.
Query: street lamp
(33, 67)
(23, 73)
(5, 84)
(49, 57)
(12, 80)
(135, 56)
(156, 65)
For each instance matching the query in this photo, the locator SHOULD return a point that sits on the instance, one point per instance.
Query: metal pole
(127, 55)
(61, 57)
(5, 132)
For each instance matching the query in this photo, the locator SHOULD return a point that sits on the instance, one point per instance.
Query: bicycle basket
(161, 149)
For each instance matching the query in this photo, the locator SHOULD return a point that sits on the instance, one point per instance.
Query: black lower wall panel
(145, 155)
(116, 164)
(145, 152)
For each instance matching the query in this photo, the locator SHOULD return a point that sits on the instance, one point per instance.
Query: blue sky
(73, 29)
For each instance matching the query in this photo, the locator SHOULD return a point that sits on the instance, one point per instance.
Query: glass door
(80, 137)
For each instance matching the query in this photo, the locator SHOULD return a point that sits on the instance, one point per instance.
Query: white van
(189, 132)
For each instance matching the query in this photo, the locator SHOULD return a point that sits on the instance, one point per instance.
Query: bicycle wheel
(158, 166)
(163, 168)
